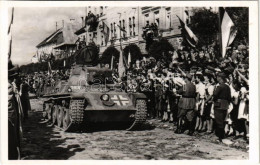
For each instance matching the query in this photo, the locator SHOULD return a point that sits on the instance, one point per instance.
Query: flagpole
(220, 33)
(10, 34)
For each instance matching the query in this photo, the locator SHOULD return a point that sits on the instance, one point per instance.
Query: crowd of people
(195, 90)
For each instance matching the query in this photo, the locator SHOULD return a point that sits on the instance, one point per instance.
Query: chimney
(56, 26)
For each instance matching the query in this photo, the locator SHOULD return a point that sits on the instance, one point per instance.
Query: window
(130, 26)
(123, 23)
(120, 25)
(102, 40)
(133, 26)
(156, 18)
(146, 19)
(157, 21)
(101, 10)
(123, 26)
(114, 29)
(168, 20)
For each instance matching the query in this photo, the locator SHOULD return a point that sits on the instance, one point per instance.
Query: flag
(11, 22)
(228, 30)
(105, 31)
(188, 34)
(10, 34)
(129, 59)
(121, 67)
(232, 35)
(10, 48)
(112, 62)
(49, 68)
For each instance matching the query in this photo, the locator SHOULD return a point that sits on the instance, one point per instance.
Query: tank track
(77, 115)
(140, 115)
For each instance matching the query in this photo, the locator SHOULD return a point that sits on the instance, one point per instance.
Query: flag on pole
(129, 60)
(10, 34)
(120, 28)
(232, 36)
(121, 67)
(10, 48)
(188, 34)
(49, 68)
(112, 62)
(228, 30)
(11, 22)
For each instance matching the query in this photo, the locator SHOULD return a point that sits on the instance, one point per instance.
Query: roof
(63, 44)
(80, 31)
(49, 39)
(68, 36)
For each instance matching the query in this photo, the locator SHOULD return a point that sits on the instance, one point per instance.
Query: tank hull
(80, 100)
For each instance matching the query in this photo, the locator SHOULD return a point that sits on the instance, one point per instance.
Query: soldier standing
(14, 115)
(186, 105)
(222, 98)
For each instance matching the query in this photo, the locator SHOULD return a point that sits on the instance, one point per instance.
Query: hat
(12, 70)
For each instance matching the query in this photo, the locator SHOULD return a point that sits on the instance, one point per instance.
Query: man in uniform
(222, 98)
(14, 115)
(186, 105)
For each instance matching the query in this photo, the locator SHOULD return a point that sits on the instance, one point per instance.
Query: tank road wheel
(140, 115)
(66, 120)
(73, 118)
(54, 114)
(60, 116)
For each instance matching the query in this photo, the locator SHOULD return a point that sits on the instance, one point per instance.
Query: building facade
(128, 24)
(61, 43)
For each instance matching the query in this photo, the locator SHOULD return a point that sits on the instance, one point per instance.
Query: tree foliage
(239, 16)
(108, 53)
(160, 49)
(204, 24)
(134, 51)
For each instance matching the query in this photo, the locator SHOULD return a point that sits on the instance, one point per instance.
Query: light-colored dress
(243, 108)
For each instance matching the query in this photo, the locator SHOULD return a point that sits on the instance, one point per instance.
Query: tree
(107, 55)
(239, 16)
(160, 49)
(134, 51)
(204, 24)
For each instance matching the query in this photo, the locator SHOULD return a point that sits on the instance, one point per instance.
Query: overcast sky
(33, 25)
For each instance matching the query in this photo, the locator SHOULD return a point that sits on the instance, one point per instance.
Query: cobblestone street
(156, 141)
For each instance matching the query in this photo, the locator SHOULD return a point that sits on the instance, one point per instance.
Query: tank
(89, 96)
